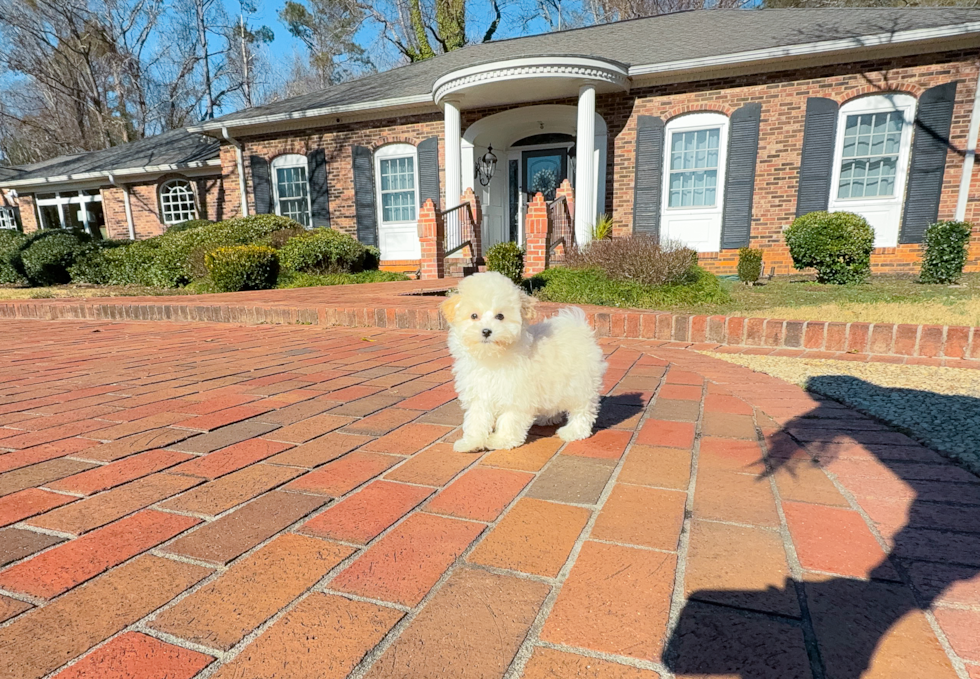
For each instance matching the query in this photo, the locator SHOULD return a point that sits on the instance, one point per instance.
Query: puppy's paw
(548, 420)
(468, 446)
(574, 431)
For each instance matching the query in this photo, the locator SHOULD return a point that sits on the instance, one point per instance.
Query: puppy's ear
(528, 310)
(449, 307)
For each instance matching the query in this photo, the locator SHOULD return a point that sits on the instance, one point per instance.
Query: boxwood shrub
(749, 265)
(507, 258)
(837, 244)
(323, 251)
(946, 252)
(10, 242)
(242, 267)
(44, 257)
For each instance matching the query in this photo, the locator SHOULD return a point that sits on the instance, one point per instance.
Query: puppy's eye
(474, 316)
(500, 317)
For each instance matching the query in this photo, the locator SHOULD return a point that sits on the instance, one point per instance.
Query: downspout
(240, 161)
(971, 152)
(129, 207)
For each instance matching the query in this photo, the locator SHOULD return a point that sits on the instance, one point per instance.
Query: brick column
(475, 230)
(568, 191)
(433, 239)
(536, 236)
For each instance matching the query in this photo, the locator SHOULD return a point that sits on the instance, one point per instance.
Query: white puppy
(510, 374)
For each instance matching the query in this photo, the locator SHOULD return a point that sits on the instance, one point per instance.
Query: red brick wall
(28, 213)
(337, 141)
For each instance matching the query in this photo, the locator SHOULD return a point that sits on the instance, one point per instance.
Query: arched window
(694, 180)
(177, 202)
(291, 187)
(871, 159)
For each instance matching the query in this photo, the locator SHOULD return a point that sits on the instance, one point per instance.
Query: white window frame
(870, 207)
(691, 123)
(394, 152)
(63, 199)
(164, 191)
(8, 218)
(285, 161)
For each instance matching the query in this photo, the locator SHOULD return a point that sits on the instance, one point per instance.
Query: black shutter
(261, 185)
(928, 164)
(319, 200)
(428, 152)
(364, 211)
(743, 150)
(648, 175)
(817, 160)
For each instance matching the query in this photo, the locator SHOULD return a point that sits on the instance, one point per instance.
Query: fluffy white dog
(510, 374)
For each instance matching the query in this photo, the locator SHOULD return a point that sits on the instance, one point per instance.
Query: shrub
(946, 251)
(593, 286)
(188, 225)
(94, 266)
(507, 258)
(323, 251)
(639, 259)
(277, 239)
(749, 265)
(10, 242)
(602, 228)
(838, 245)
(45, 256)
(243, 267)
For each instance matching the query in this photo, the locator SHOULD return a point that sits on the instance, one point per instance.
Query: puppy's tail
(573, 315)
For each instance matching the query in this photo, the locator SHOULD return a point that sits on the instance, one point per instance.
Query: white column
(129, 213)
(454, 173)
(585, 165)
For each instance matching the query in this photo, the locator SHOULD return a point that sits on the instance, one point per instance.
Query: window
(292, 188)
(874, 141)
(8, 218)
(693, 169)
(396, 180)
(177, 202)
(71, 210)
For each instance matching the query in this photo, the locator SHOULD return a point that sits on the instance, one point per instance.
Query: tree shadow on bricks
(836, 627)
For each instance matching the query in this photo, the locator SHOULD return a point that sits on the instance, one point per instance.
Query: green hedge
(10, 242)
(837, 244)
(324, 251)
(593, 286)
(946, 252)
(188, 225)
(45, 257)
(242, 267)
(95, 266)
(507, 258)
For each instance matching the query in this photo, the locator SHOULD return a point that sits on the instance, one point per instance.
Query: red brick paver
(259, 501)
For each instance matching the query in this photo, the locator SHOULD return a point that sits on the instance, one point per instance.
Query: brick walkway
(254, 502)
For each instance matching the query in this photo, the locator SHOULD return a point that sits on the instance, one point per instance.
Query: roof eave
(127, 173)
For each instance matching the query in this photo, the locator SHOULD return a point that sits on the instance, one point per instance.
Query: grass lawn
(65, 291)
(885, 299)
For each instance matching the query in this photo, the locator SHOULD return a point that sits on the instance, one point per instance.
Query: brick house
(712, 128)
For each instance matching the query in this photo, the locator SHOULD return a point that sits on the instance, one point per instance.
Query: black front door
(544, 171)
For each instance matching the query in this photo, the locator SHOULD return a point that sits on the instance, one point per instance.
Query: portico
(537, 146)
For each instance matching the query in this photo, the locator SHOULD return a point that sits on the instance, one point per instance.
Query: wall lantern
(486, 166)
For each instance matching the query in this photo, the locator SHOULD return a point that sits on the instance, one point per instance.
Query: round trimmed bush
(837, 244)
(93, 266)
(323, 251)
(749, 265)
(45, 256)
(946, 252)
(242, 267)
(10, 242)
(507, 258)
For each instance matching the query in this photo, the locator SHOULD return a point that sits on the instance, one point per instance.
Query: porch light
(486, 166)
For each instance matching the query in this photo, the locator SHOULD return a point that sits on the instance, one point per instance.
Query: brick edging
(814, 337)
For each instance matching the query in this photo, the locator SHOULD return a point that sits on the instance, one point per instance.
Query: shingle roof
(177, 147)
(654, 40)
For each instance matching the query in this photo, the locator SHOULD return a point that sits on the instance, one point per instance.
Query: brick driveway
(198, 500)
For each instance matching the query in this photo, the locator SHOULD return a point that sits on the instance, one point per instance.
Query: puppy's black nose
(487, 332)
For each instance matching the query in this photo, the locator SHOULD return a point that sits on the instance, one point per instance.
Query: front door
(544, 170)
(494, 200)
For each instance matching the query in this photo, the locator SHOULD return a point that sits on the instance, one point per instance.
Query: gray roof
(655, 40)
(174, 148)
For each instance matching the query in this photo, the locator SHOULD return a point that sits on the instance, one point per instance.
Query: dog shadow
(613, 411)
(829, 627)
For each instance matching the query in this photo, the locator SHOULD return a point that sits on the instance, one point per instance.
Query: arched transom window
(177, 202)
